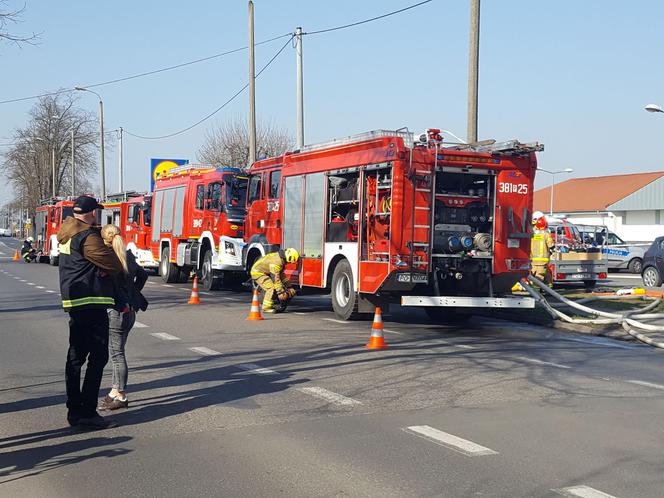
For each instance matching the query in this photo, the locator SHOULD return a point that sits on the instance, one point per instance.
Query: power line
(147, 73)
(327, 30)
(218, 108)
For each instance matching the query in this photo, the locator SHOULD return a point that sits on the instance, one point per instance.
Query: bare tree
(28, 164)
(8, 17)
(228, 144)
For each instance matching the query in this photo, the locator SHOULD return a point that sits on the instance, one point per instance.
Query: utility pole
(121, 165)
(53, 169)
(101, 138)
(473, 69)
(252, 89)
(73, 164)
(300, 91)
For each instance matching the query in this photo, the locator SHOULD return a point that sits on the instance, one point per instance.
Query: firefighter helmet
(30, 239)
(291, 255)
(540, 223)
(537, 215)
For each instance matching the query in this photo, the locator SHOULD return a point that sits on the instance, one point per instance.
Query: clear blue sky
(572, 74)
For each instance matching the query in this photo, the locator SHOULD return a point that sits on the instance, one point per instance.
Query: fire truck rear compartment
(462, 232)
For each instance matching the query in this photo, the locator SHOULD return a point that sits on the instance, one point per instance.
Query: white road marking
(449, 440)
(165, 336)
(299, 313)
(633, 276)
(646, 384)
(540, 362)
(166, 285)
(50, 292)
(21, 280)
(204, 351)
(205, 293)
(30, 283)
(39, 287)
(253, 368)
(342, 322)
(392, 332)
(582, 492)
(330, 396)
(140, 325)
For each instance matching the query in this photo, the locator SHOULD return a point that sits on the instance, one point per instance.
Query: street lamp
(553, 176)
(101, 138)
(653, 108)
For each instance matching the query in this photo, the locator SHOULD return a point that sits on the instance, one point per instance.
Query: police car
(619, 254)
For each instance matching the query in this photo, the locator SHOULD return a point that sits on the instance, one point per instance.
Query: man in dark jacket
(86, 286)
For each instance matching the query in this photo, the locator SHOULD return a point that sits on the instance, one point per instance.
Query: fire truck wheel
(209, 281)
(446, 316)
(53, 260)
(169, 272)
(344, 297)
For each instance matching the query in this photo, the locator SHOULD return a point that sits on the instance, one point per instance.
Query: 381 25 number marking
(513, 188)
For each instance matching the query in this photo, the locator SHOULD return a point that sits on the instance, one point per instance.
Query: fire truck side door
(212, 206)
(198, 213)
(273, 213)
(256, 207)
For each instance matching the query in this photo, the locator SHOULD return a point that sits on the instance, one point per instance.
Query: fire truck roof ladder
(509, 148)
(361, 137)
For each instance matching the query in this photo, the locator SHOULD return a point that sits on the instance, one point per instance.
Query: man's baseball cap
(85, 204)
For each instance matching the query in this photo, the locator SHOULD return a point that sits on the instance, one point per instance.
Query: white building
(631, 205)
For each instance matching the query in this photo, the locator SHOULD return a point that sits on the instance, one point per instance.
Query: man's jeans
(88, 340)
(119, 326)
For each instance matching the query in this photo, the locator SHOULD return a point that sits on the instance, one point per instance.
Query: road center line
(50, 291)
(647, 384)
(342, 322)
(165, 336)
(40, 287)
(582, 492)
(253, 368)
(204, 351)
(392, 332)
(541, 362)
(140, 325)
(330, 396)
(30, 283)
(449, 440)
(166, 285)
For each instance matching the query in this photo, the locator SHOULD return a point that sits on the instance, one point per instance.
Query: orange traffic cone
(17, 256)
(255, 311)
(377, 341)
(194, 293)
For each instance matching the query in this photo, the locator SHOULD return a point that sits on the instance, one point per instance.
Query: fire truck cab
(388, 215)
(136, 226)
(48, 220)
(197, 224)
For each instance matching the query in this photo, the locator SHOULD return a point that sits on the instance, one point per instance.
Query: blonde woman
(121, 319)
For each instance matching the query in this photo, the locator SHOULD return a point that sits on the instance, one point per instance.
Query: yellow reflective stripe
(82, 301)
(275, 268)
(539, 259)
(65, 248)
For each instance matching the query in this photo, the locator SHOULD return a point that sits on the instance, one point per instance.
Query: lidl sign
(159, 167)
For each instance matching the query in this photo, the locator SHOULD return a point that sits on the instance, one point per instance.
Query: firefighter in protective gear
(268, 274)
(28, 253)
(540, 250)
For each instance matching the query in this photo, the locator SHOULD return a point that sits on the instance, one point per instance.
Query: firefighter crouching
(28, 253)
(540, 249)
(268, 274)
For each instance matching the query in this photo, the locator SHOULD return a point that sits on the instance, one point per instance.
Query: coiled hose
(627, 320)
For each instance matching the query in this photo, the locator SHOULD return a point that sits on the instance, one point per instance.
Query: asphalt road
(295, 406)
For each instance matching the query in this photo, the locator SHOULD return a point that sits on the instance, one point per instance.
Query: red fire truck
(136, 228)
(48, 219)
(197, 224)
(387, 215)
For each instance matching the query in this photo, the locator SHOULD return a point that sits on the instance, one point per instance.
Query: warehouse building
(631, 205)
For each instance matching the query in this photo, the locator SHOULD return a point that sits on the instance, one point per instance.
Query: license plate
(580, 276)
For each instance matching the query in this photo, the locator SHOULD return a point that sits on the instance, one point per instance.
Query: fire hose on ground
(631, 321)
